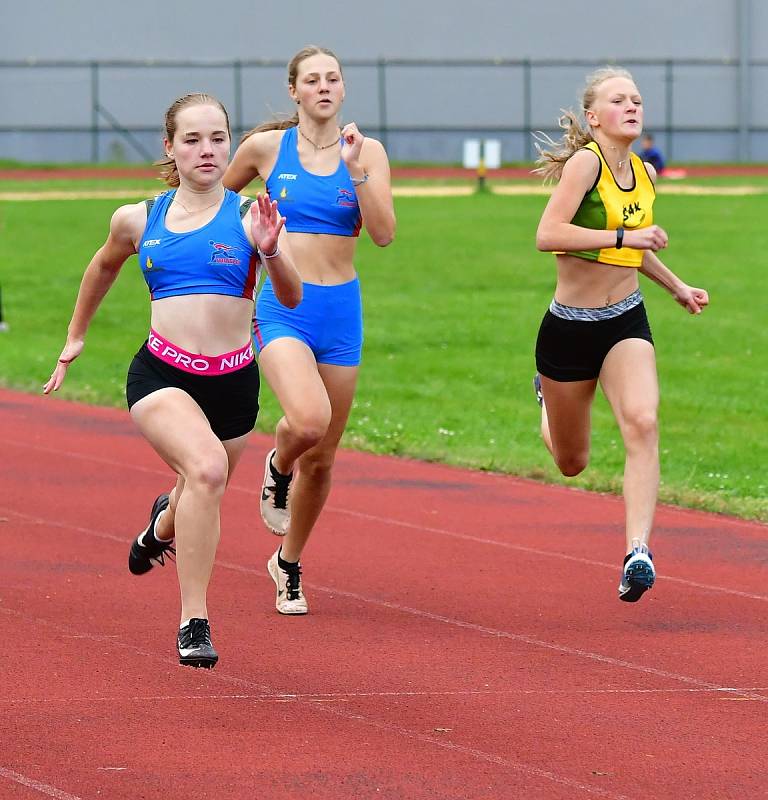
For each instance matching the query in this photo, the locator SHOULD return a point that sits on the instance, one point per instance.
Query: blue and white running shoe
(638, 575)
(537, 389)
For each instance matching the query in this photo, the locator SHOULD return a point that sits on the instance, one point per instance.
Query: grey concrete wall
(429, 109)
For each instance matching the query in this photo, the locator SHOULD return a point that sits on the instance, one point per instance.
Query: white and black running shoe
(146, 548)
(194, 645)
(537, 389)
(638, 575)
(275, 493)
(290, 598)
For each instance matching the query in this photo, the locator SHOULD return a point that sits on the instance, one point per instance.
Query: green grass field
(452, 309)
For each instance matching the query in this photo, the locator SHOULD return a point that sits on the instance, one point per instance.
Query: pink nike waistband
(195, 362)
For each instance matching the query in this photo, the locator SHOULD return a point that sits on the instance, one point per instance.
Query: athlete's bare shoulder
(255, 157)
(130, 219)
(651, 170)
(373, 145)
(262, 143)
(582, 166)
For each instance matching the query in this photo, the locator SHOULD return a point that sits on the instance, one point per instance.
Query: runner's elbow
(291, 297)
(384, 235)
(544, 240)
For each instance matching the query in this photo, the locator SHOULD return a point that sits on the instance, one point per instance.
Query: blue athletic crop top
(214, 259)
(313, 203)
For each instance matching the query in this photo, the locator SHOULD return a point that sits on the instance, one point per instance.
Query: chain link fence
(422, 110)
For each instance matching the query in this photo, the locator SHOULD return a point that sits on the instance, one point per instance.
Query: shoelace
(280, 487)
(169, 551)
(293, 584)
(198, 634)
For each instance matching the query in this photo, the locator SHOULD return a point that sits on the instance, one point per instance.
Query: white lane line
(400, 523)
(417, 612)
(532, 550)
(283, 697)
(43, 788)
(472, 752)
(508, 763)
(502, 634)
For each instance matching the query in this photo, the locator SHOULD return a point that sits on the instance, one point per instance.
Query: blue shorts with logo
(329, 320)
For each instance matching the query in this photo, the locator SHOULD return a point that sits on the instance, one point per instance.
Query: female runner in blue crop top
(328, 182)
(193, 386)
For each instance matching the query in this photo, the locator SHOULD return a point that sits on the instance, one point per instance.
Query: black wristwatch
(619, 238)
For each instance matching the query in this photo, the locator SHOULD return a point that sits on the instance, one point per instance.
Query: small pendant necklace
(317, 146)
(196, 210)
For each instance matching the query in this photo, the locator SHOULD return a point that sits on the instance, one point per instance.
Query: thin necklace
(622, 161)
(196, 210)
(317, 146)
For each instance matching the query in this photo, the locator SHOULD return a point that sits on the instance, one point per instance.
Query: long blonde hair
(576, 133)
(281, 123)
(169, 173)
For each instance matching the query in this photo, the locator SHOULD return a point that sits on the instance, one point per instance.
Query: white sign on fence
(487, 150)
(471, 153)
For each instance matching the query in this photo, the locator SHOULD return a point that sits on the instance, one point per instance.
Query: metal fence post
(381, 72)
(669, 80)
(237, 74)
(95, 112)
(744, 12)
(527, 111)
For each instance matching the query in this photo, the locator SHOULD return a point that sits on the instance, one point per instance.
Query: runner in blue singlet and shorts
(193, 387)
(328, 182)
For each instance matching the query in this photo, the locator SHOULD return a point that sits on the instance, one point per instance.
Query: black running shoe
(194, 645)
(146, 548)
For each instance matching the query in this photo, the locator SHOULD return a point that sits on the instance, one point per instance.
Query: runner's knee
(208, 472)
(640, 428)
(572, 464)
(309, 426)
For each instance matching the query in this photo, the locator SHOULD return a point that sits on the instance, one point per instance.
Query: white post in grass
(482, 156)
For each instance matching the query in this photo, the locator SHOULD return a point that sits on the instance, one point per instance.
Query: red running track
(465, 640)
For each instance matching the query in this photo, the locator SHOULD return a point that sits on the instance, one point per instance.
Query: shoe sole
(197, 662)
(277, 585)
(640, 578)
(270, 528)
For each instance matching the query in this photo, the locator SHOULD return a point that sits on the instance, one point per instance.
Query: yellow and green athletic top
(606, 206)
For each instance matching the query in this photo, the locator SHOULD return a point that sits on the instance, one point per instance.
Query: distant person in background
(651, 154)
(329, 182)
(193, 387)
(599, 224)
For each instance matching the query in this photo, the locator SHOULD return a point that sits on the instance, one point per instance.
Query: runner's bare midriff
(204, 323)
(590, 284)
(323, 258)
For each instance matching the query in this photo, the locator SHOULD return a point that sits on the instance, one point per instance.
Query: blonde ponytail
(576, 133)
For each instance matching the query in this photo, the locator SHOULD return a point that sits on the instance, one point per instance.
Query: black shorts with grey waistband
(574, 349)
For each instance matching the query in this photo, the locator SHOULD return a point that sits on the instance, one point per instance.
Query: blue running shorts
(329, 320)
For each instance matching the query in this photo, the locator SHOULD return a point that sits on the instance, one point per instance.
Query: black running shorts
(572, 350)
(230, 402)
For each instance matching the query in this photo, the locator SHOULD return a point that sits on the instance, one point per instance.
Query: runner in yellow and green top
(599, 223)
